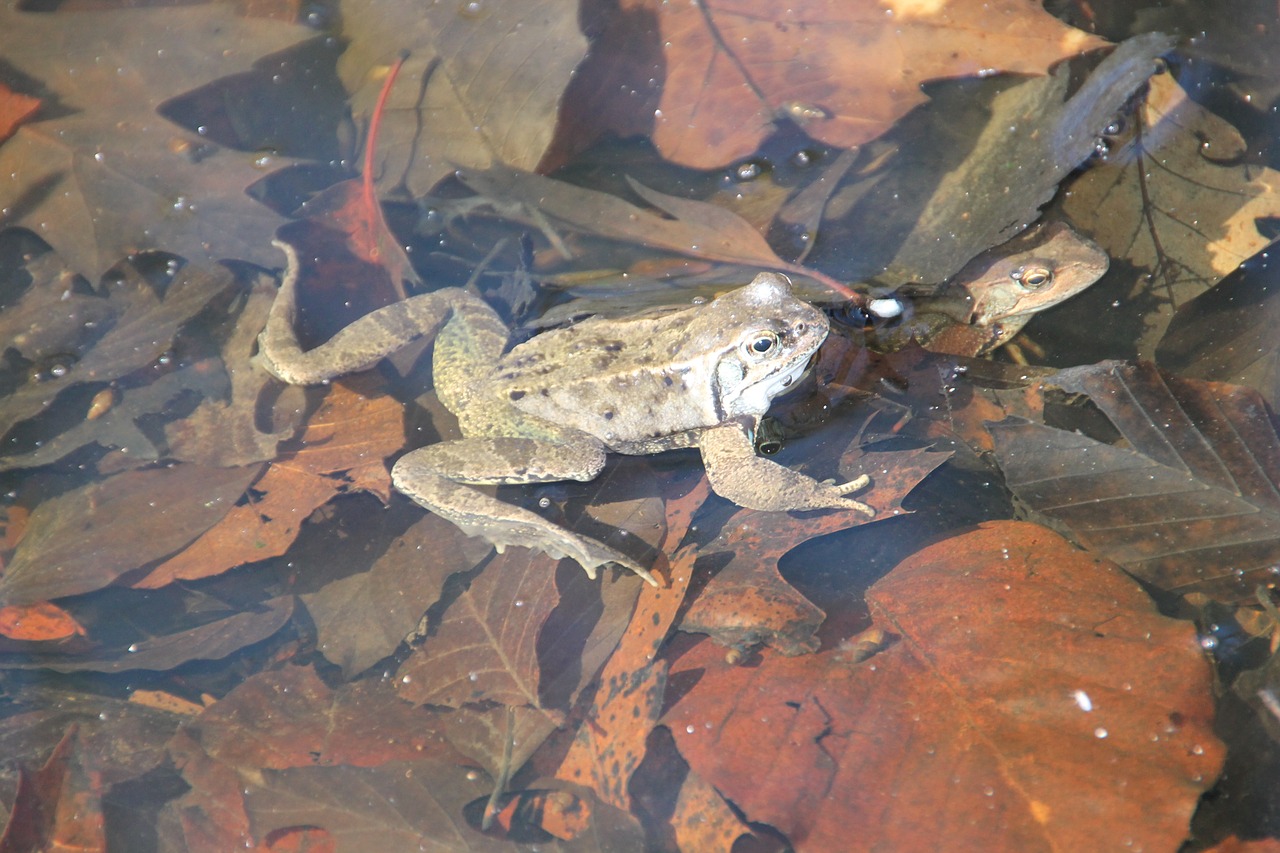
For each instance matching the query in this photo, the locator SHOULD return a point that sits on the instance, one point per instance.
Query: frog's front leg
(751, 481)
(434, 476)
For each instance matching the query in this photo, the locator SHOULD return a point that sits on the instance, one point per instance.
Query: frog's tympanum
(993, 297)
(549, 409)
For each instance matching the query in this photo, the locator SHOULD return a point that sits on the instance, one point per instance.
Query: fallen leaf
(1176, 199)
(748, 602)
(1036, 700)
(291, 718)
(709, 81)
(695, 228)
(481, 86)
(1227, 334)
(40, 622)
(15, 108)
(352, 207)
(1036, 136)
(105, 176)
(486, 646)
(362, 618)
(401, 805)
(211, 641)
(1189, 502)
(608, 748)
(351, 435)
(58, 807)
(143, 330)
(224, 430)
(84, 539)
(119, 739)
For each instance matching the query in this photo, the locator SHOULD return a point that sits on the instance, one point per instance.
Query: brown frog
(995, 294)
(550, 408)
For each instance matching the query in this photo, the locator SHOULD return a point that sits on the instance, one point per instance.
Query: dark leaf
(86, 538)
(1191, 501)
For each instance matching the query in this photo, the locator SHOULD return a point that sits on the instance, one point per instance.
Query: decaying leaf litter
(485, 667)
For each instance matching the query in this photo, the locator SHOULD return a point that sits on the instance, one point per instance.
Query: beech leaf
(1190, 501)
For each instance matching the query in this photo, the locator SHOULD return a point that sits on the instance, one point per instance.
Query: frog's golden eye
(1033, 278)
(760, 344)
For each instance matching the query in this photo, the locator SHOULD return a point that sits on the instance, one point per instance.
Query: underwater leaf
(1034, 699)
(844, 70)
(1190, 500)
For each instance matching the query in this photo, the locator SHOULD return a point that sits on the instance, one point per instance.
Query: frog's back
(626, 382)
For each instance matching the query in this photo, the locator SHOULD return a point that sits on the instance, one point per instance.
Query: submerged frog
(550, 408)
(989, 301)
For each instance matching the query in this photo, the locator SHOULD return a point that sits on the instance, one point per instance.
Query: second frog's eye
(760, 344)
(1033, 277)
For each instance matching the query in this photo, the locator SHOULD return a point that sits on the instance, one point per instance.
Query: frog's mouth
(783, 381)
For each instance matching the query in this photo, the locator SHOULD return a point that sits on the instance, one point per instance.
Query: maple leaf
(845, 70)
(107, 176)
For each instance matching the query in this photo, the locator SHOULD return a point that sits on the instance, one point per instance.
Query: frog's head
(766, 338)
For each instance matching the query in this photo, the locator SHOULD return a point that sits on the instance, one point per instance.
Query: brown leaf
(610, 745)
(399, 805)
(1228, 333)
(364, 617)
(105, 175)
(1191, 501)
(748, 602)
(351, 434)
(225, 431)
(484, 85)
(1036, 700)
(485, 648)
(696, 228)
(211, 641)
(144, 328)
(84, 539)
(58, 807)
(845, 71)
(290, 718)
(211, 814)
(1176, 199)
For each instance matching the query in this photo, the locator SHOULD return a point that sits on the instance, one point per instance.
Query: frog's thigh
(434, 477)
(751, 481)
(505, 460)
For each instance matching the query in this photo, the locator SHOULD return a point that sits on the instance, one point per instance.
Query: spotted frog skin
(995, 294)
(551, 408)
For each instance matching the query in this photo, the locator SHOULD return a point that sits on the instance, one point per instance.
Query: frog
(987, 303)
(551, 408)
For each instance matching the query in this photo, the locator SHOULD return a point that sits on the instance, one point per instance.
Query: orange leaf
(351, 433)
(1035, 700)
(15, 108)
(40, 622)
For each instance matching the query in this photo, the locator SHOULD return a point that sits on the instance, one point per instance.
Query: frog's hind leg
(371, 338)
(508, 460)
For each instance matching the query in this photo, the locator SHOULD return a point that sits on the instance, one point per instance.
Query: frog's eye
(760, 344)
(1033, 278)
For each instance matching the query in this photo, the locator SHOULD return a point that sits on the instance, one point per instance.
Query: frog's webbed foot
(490, 460)
(751, 481)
